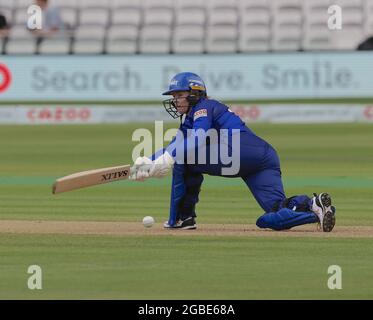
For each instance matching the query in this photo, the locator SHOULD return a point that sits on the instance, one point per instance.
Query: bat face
(90, 178)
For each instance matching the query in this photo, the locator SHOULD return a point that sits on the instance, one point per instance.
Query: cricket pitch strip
(120, 228)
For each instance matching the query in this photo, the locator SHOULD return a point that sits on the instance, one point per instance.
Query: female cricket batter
(207, 125)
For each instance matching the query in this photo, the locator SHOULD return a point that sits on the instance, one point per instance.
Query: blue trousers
(260, 170)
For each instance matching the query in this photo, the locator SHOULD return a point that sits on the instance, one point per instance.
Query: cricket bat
(91, 178)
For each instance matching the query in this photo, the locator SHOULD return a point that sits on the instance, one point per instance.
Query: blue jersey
(211, 114)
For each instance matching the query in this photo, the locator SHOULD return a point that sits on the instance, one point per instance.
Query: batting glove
(140, 169)
(161, 166)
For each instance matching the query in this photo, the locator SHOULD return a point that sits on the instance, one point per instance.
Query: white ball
(148, 221)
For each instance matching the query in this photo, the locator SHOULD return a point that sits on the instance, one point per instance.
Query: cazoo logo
(5, 77)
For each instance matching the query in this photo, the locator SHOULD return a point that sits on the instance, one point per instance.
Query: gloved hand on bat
(145, 168)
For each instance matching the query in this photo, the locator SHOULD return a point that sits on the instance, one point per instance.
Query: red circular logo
(5, 77)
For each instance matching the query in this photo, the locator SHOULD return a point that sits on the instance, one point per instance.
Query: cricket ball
(148, 221)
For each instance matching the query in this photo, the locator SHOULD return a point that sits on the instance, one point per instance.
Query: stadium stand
(155, 39)
(89, 39)
(183, 26)
(55, 45)
(121, 39)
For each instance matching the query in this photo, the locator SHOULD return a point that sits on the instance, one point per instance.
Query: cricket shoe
(187, 224)
(322, 206)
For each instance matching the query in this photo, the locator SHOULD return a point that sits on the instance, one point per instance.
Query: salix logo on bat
(114, 175)
(5, 77)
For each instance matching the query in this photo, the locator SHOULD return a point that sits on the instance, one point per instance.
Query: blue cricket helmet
(185, 81)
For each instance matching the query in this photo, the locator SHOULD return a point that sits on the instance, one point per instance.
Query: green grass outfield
(336, 158)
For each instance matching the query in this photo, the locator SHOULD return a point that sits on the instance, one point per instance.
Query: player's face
(181, 102)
